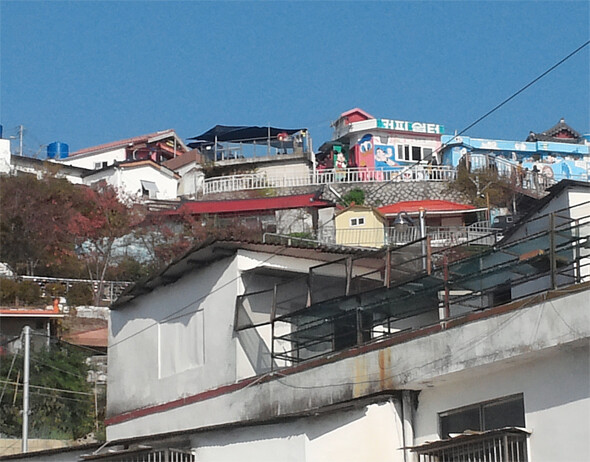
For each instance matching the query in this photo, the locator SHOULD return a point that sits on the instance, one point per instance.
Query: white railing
(440, 236)
(328, 176)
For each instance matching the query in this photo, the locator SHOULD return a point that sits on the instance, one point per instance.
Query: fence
(357, 300)
(328, 176)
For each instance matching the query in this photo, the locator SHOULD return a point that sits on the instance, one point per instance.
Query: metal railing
(111, 289)
(251, 181)
(410, 288)
(528, 182)
(504, 445)
(144, 454)
(440, 236)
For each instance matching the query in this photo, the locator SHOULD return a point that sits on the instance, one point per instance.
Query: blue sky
(87, 72)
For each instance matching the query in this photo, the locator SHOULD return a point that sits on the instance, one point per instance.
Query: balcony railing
(327, 176)
(528, 182)
(440, 236)
(503, 445)
(369, 296)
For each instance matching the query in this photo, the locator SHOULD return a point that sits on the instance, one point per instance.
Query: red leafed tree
(103, 221)
(35, 215)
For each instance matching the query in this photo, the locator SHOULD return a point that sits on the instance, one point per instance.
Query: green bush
(8, 291)
(355, 195)
(19, 292)
(54, 290)
(29, 293)
(80, 294)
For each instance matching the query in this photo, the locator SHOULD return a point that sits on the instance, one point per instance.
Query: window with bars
(489, 415)
(144, 454)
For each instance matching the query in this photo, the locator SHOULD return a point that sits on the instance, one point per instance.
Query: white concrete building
(256, 352)
(144, 179)
(159, 147)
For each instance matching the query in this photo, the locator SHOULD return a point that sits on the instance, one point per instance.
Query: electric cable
(494, 109)
(9, 372)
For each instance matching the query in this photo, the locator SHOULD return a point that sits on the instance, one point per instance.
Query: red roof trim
(427, 205)
(356, 110)
(121, 143)
(250, 205)
(401, 337)
(30, 312)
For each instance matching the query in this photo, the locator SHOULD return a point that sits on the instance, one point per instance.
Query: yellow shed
(360, 226)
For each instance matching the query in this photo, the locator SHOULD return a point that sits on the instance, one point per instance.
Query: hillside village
(396, 293)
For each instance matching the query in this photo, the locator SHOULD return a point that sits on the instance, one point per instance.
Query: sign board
(417, 127)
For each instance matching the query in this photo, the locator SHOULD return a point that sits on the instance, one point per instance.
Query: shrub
(80, 294)
(29, 293)
(54, 290)
(8, 291)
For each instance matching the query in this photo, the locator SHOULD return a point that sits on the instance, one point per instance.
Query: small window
(416, 153)
(149, 189)
(360, 221)
(99, 165)
(489, 415)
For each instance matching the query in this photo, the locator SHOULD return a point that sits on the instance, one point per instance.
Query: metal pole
(27, 339)
(20, 140)
(553, 265)
(423, 237)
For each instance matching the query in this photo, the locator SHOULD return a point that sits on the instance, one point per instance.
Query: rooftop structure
(250, 349)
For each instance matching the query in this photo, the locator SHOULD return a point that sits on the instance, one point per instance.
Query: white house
(11, 164)
(242, 351)
(188, 167)
(138, 178)
(159, 147)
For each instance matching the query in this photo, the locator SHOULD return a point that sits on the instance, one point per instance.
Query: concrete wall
(462, 353)
(556, 401)
(89, 160)
(178, 339)
(369, 434)
(128, 181)
(4, 156)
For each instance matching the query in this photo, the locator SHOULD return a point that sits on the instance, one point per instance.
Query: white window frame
(357, 221)
(405, 152)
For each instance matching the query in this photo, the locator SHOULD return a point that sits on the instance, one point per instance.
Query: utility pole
(27, 340)
(21, 129)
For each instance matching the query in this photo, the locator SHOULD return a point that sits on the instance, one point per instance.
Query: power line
(494, 109)
(9, 372)
(61, 390)
(58, 340)
(199, 299)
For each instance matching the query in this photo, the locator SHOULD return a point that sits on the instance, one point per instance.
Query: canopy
(242, 133)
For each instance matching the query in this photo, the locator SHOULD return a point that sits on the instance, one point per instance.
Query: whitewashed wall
(556, 392)
(371, 433)
(187, 354)
(128, 180)
(89, 160)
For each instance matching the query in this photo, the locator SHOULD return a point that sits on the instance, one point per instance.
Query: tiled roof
(122, 143)
(93, 338)
(358, 111)
(552, 134)
(180, 161)
(427, 205)
(250, 205)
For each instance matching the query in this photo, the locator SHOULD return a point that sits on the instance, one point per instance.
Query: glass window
(489, 415)
(416, 153)
(505, 413)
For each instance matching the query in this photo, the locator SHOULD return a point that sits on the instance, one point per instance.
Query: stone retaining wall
(376, 194)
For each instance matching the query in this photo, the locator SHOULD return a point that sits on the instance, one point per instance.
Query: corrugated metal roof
(250, 205)
(427, 205)
(125, 142)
